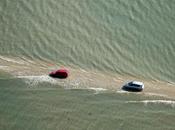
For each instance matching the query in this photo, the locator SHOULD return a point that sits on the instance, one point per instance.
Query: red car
(61, 74)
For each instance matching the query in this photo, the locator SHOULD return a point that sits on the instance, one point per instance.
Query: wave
(146, 102)
(35, 80)
(12, 60)
(3, 67)
(98, 90)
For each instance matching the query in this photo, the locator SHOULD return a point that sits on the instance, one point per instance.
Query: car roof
(137, 82)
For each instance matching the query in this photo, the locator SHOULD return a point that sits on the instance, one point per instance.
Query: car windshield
(134, 85)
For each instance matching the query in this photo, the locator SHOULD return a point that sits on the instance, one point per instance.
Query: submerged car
(134, 86)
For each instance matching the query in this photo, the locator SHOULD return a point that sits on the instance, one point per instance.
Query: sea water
(104, 44)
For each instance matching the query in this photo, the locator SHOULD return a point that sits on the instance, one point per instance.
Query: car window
(134, 85)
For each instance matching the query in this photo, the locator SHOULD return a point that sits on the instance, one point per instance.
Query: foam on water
(146, 102)
(155, 94)
(35, 80)
(98, 90)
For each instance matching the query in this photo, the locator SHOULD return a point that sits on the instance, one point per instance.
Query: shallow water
(104, 44)
(49, 106)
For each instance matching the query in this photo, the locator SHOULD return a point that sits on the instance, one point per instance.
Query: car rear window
(134, 85)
